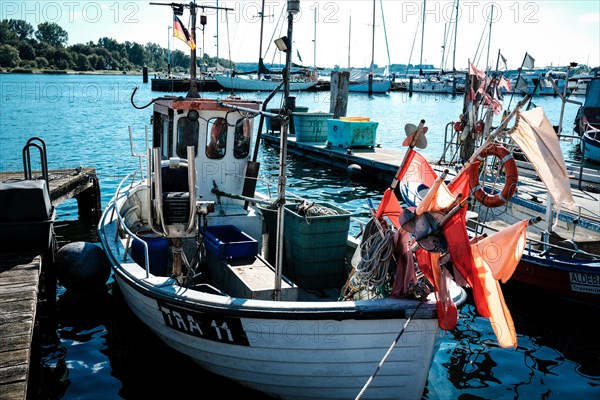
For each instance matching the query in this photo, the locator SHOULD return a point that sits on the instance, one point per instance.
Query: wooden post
(89, 202)
(339, 93)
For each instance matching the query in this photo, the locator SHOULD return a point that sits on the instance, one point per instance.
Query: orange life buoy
(511, 174)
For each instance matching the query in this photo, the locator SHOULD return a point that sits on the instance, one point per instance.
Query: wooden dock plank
(19, 286)
(65, 184)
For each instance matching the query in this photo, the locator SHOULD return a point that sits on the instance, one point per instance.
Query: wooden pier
(79, 183)
(24, 285)
(381, 165)
(19, 286)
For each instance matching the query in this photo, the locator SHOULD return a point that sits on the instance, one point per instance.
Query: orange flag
(496, 258)
(438, 198)
(429, 264)
(502, 251)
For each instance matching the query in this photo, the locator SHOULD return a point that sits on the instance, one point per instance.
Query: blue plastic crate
(227, 241)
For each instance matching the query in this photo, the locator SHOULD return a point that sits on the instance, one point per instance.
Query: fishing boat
(590, 144)
(321, 314)
(587, 122)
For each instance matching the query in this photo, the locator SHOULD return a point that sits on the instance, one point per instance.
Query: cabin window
(216, 138)
(166, 137)
(187, 135)
(161, 133)
(241, 146)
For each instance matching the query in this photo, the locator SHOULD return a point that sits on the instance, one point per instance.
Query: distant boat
(438, 82)
(368, 82)
(263, 79)
(178, 84)
(247, 83)
(587, 122)
(578, 83)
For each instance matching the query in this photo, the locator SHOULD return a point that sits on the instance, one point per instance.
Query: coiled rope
(376, 253)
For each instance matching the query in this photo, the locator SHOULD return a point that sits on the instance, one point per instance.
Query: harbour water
(93, 347)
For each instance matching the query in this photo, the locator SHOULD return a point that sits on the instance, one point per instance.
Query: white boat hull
(301, 359)
(376, 87)
(254, 85)
(287, 349)
(590, 145)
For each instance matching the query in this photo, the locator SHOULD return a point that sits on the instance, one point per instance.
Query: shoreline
(17, 71)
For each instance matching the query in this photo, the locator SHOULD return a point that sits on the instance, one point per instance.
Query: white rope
(376, 252)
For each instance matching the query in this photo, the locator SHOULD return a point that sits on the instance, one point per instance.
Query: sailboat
(437, 82)
(367, 82)
(264, 79)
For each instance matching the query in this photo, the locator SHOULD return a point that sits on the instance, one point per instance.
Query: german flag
(180, 32)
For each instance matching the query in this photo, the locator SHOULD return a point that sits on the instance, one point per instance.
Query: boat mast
(349, 36)
(315, 40)
(455, 39)
(454, 52)
(193, 90)
(373, 40)
(293, 7)
(487, 62)
(422, 35)
(169, 50)
(370, 87)
(217, 23)
(260, 43)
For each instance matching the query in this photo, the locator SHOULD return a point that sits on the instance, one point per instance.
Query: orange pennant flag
(502, 251)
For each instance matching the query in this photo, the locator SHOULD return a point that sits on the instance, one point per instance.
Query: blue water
(94, 349)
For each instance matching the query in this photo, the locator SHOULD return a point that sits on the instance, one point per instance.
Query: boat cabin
(202, 149)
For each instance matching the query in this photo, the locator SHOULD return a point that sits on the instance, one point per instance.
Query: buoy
(354, 170)
(82, 266)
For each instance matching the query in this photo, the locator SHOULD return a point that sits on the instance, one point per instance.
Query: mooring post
(89, 202)
(339, 93)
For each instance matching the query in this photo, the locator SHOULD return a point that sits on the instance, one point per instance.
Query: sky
(328, 33)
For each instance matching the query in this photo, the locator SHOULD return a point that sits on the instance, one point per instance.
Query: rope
(376, 251)
(387, 354)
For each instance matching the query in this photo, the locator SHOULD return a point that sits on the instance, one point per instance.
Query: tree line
(25, 48)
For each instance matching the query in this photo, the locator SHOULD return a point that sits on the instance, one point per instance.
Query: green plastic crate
(315, 247)
(311, 127)
(351, 134)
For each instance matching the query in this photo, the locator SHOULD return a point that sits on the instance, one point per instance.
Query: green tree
(9, 56)
(51, 33)
(42, 62)
(23, 30)
(26, 50)
(82, 63)
(79, 48)
(6, 33)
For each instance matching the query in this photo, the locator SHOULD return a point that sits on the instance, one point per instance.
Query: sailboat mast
(349, 39)
(260, 43)
(373, 40)
(422, 34)
(455, 39)
(487, 62)
(193, 90)
(315, 41)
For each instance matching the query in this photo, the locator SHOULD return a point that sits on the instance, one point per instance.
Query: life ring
(511, 174)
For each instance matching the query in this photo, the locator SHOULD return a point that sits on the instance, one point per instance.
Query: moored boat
(321, 314)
